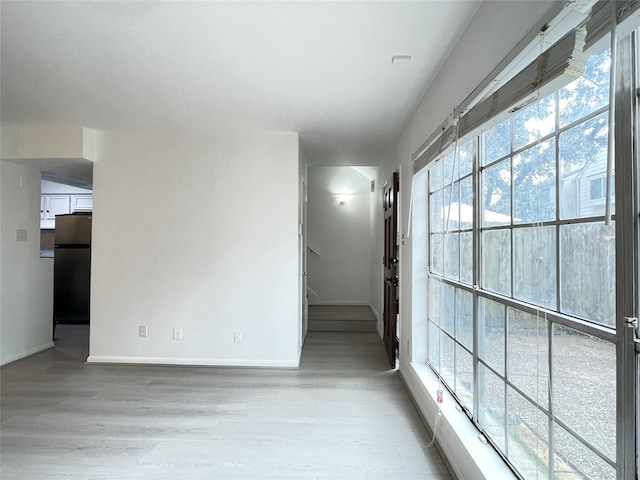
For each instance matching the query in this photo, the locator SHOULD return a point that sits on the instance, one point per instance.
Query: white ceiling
(322, 69)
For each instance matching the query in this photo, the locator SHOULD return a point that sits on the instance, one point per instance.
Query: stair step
(341, 318)
(340, 312)
(341, 326)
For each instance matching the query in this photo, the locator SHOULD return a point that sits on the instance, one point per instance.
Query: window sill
(459, 440)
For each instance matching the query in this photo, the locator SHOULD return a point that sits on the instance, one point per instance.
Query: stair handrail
(314, 250)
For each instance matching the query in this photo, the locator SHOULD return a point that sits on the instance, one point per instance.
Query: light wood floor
(342, 415)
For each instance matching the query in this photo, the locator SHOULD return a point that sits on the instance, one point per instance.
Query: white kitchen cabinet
(57, 205)
(60, 204)
(54, 205)
(81, 203)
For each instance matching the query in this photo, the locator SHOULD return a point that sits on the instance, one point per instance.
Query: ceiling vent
(400, 58)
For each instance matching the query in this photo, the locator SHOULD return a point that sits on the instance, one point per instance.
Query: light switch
(177, 334)
(21, 235)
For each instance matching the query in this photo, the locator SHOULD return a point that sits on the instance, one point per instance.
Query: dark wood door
(390, 260)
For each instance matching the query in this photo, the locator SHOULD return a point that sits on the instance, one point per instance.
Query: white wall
(341, 274)
(26, 281)
(48, 142)
(495, 30)
(198, 233)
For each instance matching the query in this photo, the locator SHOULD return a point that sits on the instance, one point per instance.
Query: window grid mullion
(555, 133)
(476, 186)
(550, 415)
(558, 206)
(627, 243)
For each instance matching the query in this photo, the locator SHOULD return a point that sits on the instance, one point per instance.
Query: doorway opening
(343, 250)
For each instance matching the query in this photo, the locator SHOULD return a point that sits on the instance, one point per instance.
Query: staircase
(341, 318)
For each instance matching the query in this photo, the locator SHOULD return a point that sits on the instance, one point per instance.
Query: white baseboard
(457, 437)
(27, 353)
(375, 312)
(378, 320)
(354, 303)
(195, 362)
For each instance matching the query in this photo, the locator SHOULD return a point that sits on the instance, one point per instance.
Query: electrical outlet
(237, 336)
(142, 331)
(177, 334)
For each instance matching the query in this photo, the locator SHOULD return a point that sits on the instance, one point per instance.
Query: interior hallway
(342, 415)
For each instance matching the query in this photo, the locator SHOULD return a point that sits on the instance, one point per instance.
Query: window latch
(632, 322)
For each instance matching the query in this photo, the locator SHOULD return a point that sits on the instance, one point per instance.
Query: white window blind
(440, 144)
(563, 62)
(599, 22)
(556, 67)
(560, 64)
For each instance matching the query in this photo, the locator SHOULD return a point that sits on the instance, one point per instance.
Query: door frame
(302, 237)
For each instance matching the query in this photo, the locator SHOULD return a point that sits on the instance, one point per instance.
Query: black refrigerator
(72, 269)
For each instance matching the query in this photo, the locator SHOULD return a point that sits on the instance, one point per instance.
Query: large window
(450, 298)
(522, 268)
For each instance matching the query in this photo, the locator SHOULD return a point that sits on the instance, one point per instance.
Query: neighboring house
(584, 190)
